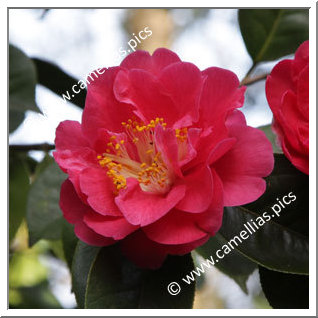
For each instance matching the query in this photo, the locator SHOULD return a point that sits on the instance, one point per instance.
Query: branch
(249, 81)
(42, 147)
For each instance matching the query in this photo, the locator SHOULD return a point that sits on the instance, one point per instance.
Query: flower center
(142, 161)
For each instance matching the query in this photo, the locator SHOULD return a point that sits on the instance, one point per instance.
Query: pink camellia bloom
(160, 151)
(287, 92)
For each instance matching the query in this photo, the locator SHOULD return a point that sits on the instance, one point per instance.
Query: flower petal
(88, 236)
(109, 226)
(175, 228)
(102, 109)
(183, 82)
(277, 83)
(155, 63)
(166, 143)
(211, 220)
(241, 169)
(143, 208)
(99, 189)
(303, 93)
(199, 190)
(74, 211)
(143, 90)
(69, 136)
(221, 93)
(72, 207)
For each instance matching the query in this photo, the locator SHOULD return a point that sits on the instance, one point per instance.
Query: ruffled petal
(143, 90)
(210, 221)
(109, 226)
(166, 143)
(99, 189)
(143, 208)
(198, 195)
(220, 94)
(69, 136)
(74, 211)
(72, 207)
(155, 64)
(102, 109)
(303, 93)
(183, 82)
(301, 59)
(277, 83)
(88, 236)
(175, 228)
(242, 168)
(73, 153)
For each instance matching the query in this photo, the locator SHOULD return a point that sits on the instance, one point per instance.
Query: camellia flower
(287, 91)
(160, 151)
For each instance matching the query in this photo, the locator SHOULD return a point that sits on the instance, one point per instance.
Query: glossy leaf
(285, 291)
(234, 264)
(280, 243)
(272, 33)
(54, 78)
(44, 216)
(69, 242)
(18, 192)
(83, 260)
(272, 245)
(15, 119)
(22, 81)
(109, 280)
(285, 178)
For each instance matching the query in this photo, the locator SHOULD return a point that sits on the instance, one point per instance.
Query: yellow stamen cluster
(152, 173)
(182, 134)
(136, 126)
(155, 173)
(114, 172)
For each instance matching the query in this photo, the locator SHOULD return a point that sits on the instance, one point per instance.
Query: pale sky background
(80, 41)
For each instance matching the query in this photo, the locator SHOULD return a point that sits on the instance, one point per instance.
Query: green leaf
(44, 216)
(234, 264)
(285, 178)
(83, 259)
(69, 242)
(54, 78)
(22, 81)
(40, 167)
(272, 33)
(274, 246)
(103, 278)
(267, 129)
(285, 291)
(15, 119)
(280, 243)
(18, 192)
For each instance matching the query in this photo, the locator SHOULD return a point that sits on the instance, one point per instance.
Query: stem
(251, 69)
(249, 81)
(42, 147)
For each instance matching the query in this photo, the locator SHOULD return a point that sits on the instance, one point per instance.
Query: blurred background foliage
(50, 51)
